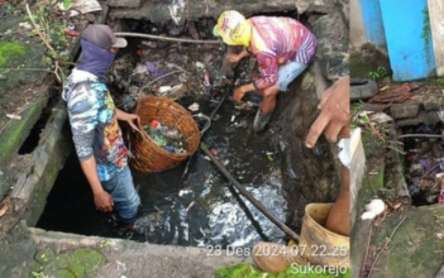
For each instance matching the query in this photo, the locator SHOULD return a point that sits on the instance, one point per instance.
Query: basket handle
(141, 131)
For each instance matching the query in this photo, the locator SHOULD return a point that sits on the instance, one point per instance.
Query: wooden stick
(420, 135)
(44, 38)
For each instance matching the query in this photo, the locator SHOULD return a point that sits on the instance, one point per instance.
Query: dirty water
(198, 210)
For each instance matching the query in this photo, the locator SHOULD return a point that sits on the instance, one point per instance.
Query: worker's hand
(132, 119)
(239, 94)
(103, 201)
(334, 119)
(234, 58)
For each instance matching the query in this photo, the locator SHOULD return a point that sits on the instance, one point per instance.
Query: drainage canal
(196, 209)
(424, 162)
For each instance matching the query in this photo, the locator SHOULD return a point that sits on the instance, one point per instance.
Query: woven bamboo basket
(319, 245)
(149, 157)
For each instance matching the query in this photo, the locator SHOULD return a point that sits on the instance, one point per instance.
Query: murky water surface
(198, 210)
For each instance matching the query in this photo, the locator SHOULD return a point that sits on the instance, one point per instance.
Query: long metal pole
(164, 38)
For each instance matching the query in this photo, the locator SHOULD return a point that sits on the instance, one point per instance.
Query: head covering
(94, 59)
(234, 28)
(102, 36)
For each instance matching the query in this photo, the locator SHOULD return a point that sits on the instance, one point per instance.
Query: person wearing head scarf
(283, 48)
(94, 124)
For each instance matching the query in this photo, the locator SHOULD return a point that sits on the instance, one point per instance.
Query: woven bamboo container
(319, 245)
(149, 157)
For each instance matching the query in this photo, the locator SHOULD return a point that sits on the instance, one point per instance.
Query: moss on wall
(79, 263)
(10, 52)
(416, 249)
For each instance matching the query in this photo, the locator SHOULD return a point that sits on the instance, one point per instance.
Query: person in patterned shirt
(96, 133)
(283, 48)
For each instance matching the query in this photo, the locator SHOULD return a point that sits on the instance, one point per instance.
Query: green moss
(434, 81)
(248, 271)
(359, 67)
(78, 263)
(426, 28)
(16, 132)
(440, 81)
(415, 248)
(373, 146)
(375, 180)
(369, 62)
(10, 52)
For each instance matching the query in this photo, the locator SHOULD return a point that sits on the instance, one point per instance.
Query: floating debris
(194, 107)
(169, 138)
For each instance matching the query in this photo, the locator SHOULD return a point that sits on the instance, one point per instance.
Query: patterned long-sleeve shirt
(92, 115)
(276, 40)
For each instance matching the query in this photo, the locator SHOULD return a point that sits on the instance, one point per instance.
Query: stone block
(124, 3)
(404, 110)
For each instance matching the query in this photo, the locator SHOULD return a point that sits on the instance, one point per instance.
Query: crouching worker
(283, 48)
(333, 235)
(96, 133)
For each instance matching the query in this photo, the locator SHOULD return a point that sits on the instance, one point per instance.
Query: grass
(244, 270)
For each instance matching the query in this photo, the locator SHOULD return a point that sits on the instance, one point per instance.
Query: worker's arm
(132, 119)
(102, 199)
(268, 66)
(334, 122)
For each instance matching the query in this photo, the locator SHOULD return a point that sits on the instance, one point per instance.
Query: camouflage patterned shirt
(95, 131)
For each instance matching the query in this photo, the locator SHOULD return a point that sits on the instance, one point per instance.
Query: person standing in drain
(283, 48)
(96, 133)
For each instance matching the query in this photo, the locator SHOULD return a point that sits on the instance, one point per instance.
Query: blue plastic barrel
(409, 39)
(372, 17)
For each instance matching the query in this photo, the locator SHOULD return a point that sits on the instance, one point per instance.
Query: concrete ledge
(36, 172)
(126, 258)
(15, 132)
(125, 3)
(36, 180)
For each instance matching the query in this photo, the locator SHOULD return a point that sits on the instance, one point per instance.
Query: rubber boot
(273, 257)
(261, 120)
